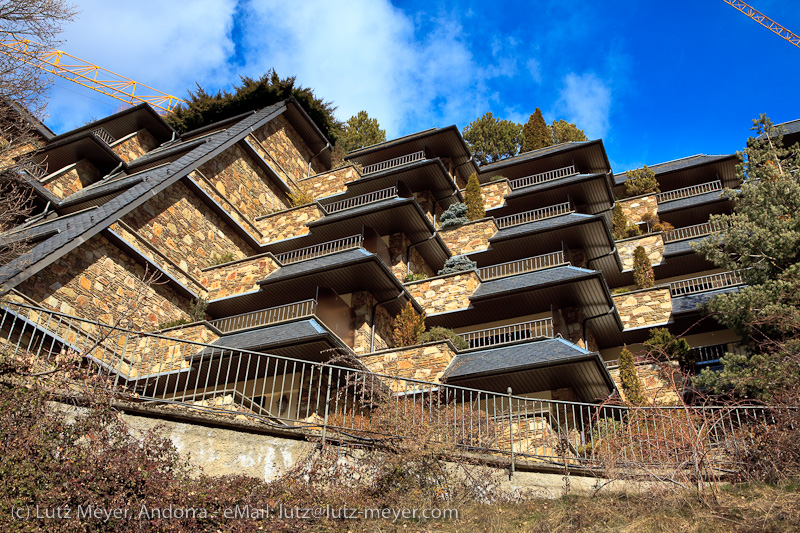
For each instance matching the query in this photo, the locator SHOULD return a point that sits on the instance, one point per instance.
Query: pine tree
(535, 133)
(408, 326)
(491, 139)
(563, 131)
(620, 227)
(661, 344)
(473, 198)
(643, 275)
(360, 131)
(631, 384)
(641, 181)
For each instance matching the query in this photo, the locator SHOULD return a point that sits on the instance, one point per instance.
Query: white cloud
(534, 67)
(585, 99)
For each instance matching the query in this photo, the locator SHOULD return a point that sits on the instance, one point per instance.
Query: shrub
(620, 227)
(663, 345)
(455, 215)
(439, 333)
(631, 384)
(643, 274)
(654, 223)
(414, 276)
(197, 310)
(299, 197)
(408, 326)
(473, 198)
(620, 290)
(457, 263)
(641, 181)
(221, 259)
(171, 324)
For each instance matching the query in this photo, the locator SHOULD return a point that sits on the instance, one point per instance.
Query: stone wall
(237, 277)
(72, 179)
(398, 244)
(444, 293)
(425, 201)
(645, 307)
(185, 229)
(656, 381)
(419, 265)
(134, 146)
(100, 282)
(223, 201)
(494, 193)
(653, 245)
(362, 304)
(288, 223)
(568, 322)
(329, 183)
(637, 207)
(469, 238)
(196, 332)
(286, 150)
(425, 362)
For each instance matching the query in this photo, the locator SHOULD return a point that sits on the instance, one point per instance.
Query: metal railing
(521, 266)
(339, 402)
(534, 329)
(690, 232)
(391, 163)
(686, 192)
(550, 175)
(706, 283)
(714, 352)
(265, 317)
(534, 215)
(363, 199)
(318, 250)
(103, 135)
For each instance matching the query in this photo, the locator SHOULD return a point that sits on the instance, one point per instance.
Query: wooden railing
(532, 216)
(363, 199)
(550, 175)
(686, 192)
(318, 250)
(391, 163)
(542, 328)
(521, 266)
(265, 317)
(706, 283)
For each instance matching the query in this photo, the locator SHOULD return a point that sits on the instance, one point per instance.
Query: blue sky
(655, 80)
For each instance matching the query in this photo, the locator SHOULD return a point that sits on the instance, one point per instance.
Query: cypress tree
(535, 133)
(631, 384)
(643, 274)
(408, 326)
(474, 199)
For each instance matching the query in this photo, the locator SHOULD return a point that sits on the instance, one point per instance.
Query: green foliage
(473, 198)
(457, 263)
(204, 108)
(438, 333)
(414, 276)
(654, 223)
(172, 324)
(641, 181)
(563, 131)
(535, 133)
(300, 196)
(491, 139)
(661, 344)
(631, 384)
(223, 258)
(408, 326)
(360, 131)
(197, 310)
(454, 215)
(620, 290)
(620, 228)
(643, 275)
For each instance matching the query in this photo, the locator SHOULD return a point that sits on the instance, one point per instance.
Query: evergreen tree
(643, 275)
(408, 326)
(360, 131)
(473, 198)
(535, 133)
(620, 227)
(563, 131)
(661, 344)
(631, 384)
(641, 181)
(491, 139)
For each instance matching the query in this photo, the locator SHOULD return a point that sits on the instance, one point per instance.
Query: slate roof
(540, 225)
(268, 337)
(324, 262)
(362, 209)
(534, 154)
(488, 289)
(692, 201)
(682, 247)
(690, 302)
(677, 164)
(558, 182)
(786, 128)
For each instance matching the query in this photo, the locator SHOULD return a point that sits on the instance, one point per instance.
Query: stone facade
(329, 183)
(398, 244)
(567, 322)
(653, 245)
(287, 150)
(100, 282)
(425, 200)
(419, 265)
(73, 178)
(656, 381)
(469, 238)
(444, 293)
(637, 207)
(184, 229)
(494, 193)
(226, 205)
(134, 146)
(288, 223)
(362, 304)
(196, 332)
(237, 277)
(642, 308)
(424, 362)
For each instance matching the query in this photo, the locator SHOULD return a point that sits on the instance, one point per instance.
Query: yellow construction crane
(84, 73)
(765, 21)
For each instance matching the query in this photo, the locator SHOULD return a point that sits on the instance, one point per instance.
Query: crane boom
(765, 21)
(84, 73)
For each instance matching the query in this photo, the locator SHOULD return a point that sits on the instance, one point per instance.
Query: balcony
(534, 215)
(705, 283)
(534, 329)
(550, 175)
(391, 163)
(318, 250)
(530, 264)
(692, 232)
(687, 192)
(711, 354)
(265, 317)
(363, 199)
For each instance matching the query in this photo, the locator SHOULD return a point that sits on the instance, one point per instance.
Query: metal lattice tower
(765, 21)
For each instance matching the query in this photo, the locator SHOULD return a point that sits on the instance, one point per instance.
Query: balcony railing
(530, 264)
(706, 283)
(103, 135)
(550, 175)
(505, 334)
(265, 317)
(690, 232)
(326, 248)
(686, 192)
(363, 199)
(714, 352)
(391, 163)
(532, 216)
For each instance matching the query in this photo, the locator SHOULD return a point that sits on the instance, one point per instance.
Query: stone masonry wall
(362, 304)
(134, 146)
(99, 282)
(653, 245)
(636, 208)
(287, 150)
(656, 383)
(329, 183)
(289, 223)
(494, 193)
(427, 362)
(425, 201)
(184, 229)
(419, 265)
(469, 238)
(646, 307)
(444, 293)
(197, 332)
(237, 277)
(75, 178)
(245, 221)
(398, 244)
